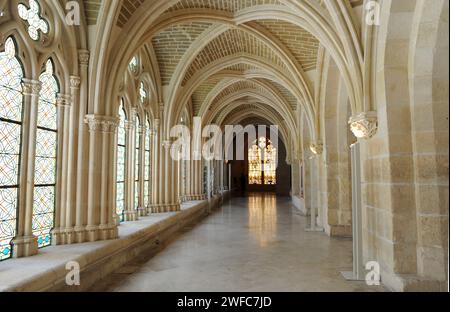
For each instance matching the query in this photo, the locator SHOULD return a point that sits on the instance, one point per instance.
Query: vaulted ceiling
(270, 54)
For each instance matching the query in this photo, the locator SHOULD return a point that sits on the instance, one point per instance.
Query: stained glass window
(142, 92)
(121, 150)
(137, 164)
(254, 165)
(262, 163)
(147, 169)
(133, 63)
(11, 101)
(270, 164)
(45, 159)
(33, 17)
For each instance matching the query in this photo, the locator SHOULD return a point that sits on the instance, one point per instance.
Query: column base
(101, 232)
(130, 215)
(108, 232)
(193, 197)
(142, 212)
(25, 246)
(116, 219)
(314, 229)
(64, 236)
(166, 208)
(81, 234)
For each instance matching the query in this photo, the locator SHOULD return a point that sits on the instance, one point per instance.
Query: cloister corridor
(224, 145)
(251, 244)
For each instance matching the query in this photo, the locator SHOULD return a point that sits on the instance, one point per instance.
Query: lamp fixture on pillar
(364, 125)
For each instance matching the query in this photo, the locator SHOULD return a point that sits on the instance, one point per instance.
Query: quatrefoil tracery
(35, 22)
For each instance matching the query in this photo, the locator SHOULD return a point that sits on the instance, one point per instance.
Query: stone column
(25, 243)
(295, 172)
(154, 167)
(195, 181)
(222, 176)
(72, 160)
(230, 177)
(142, 211)
(316, 149)
(62, 209)
(82, 169)
(100, 220)
(130, 213)
(168, 199)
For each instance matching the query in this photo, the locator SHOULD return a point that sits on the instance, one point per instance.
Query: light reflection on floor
(262, 217)
(255, 243)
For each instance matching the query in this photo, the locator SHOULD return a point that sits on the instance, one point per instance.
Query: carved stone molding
(161, 110)
(31, 87)
(142, 129)
(99, 123)
(2, 37)
(129, 125)
(167, 144)
(316, 148)
(63, 100)
(83, 57)
(364, 125)
(156, 123)
(75, 82)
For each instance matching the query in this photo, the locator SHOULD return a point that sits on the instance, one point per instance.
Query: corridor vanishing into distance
(128, 126)
(255, 243)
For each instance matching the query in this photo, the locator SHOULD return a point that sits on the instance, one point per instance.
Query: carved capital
(75, 82)
(142, 129)
(167, 144)
(364, 125)
(63, 100)
(316, 147)
(31, 87)
(129, 125)
(99, 123)
(288, 161)
(83, 57)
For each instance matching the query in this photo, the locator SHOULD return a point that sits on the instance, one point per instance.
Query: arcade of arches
(357, 88)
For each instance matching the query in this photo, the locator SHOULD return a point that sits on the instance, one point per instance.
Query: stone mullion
(81, 190)
(25, 243)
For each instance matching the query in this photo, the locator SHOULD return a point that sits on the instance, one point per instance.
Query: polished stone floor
(255, 244)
